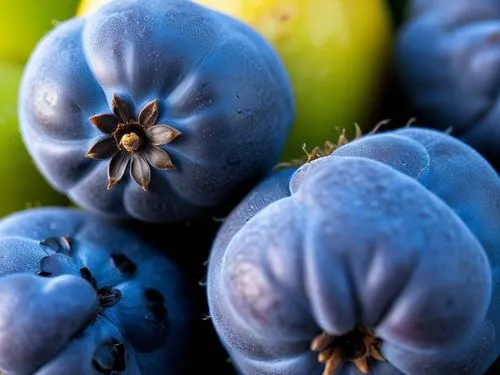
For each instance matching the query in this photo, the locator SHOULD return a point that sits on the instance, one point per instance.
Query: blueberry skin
(395, 231)
(448, 57)
(53, 299)
(217, 81)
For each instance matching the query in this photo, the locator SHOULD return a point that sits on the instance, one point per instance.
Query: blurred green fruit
(21, 185)
(336, 53)
(24, 22)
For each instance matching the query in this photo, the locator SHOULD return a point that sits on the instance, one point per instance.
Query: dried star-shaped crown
(357, 346)
(329, 147)
(134, 141)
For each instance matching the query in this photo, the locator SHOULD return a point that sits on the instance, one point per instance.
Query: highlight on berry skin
(134, 141)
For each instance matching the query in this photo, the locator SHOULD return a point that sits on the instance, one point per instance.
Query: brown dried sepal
(328, 147)
(356, 346)
(131, 141)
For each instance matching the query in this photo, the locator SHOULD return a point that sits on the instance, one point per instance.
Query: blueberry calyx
(124, 264)
(107, 295)
(132, 140)
(109, 359)
(328, 147)
(356, 346)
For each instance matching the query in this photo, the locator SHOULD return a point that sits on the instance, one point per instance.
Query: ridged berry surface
(81, 295)
(196, 105)
(396, 232)
(448, 56)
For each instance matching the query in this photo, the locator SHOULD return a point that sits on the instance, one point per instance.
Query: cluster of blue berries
(376, 256)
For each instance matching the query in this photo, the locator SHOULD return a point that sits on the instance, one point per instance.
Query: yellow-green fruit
(21, 185)
(336, 53)
(24, 22)
(90, 6)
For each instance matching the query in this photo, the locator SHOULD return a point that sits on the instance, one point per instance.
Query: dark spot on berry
(49, 266)
(87, 275)
(124, 264)
(109, 359)
(156, 305)
(57, 244)
(108, 296)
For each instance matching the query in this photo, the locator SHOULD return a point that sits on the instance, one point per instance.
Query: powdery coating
(395, 231)
(217, 82)
(55, 321)
(448, 56)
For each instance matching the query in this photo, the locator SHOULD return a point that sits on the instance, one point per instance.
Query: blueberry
(81, 295)
(447, 56)
(380, 258)
(157, 110)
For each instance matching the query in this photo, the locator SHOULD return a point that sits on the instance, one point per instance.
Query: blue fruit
(448, 57)
(383, 257)
(194, 104)
(81, 295)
